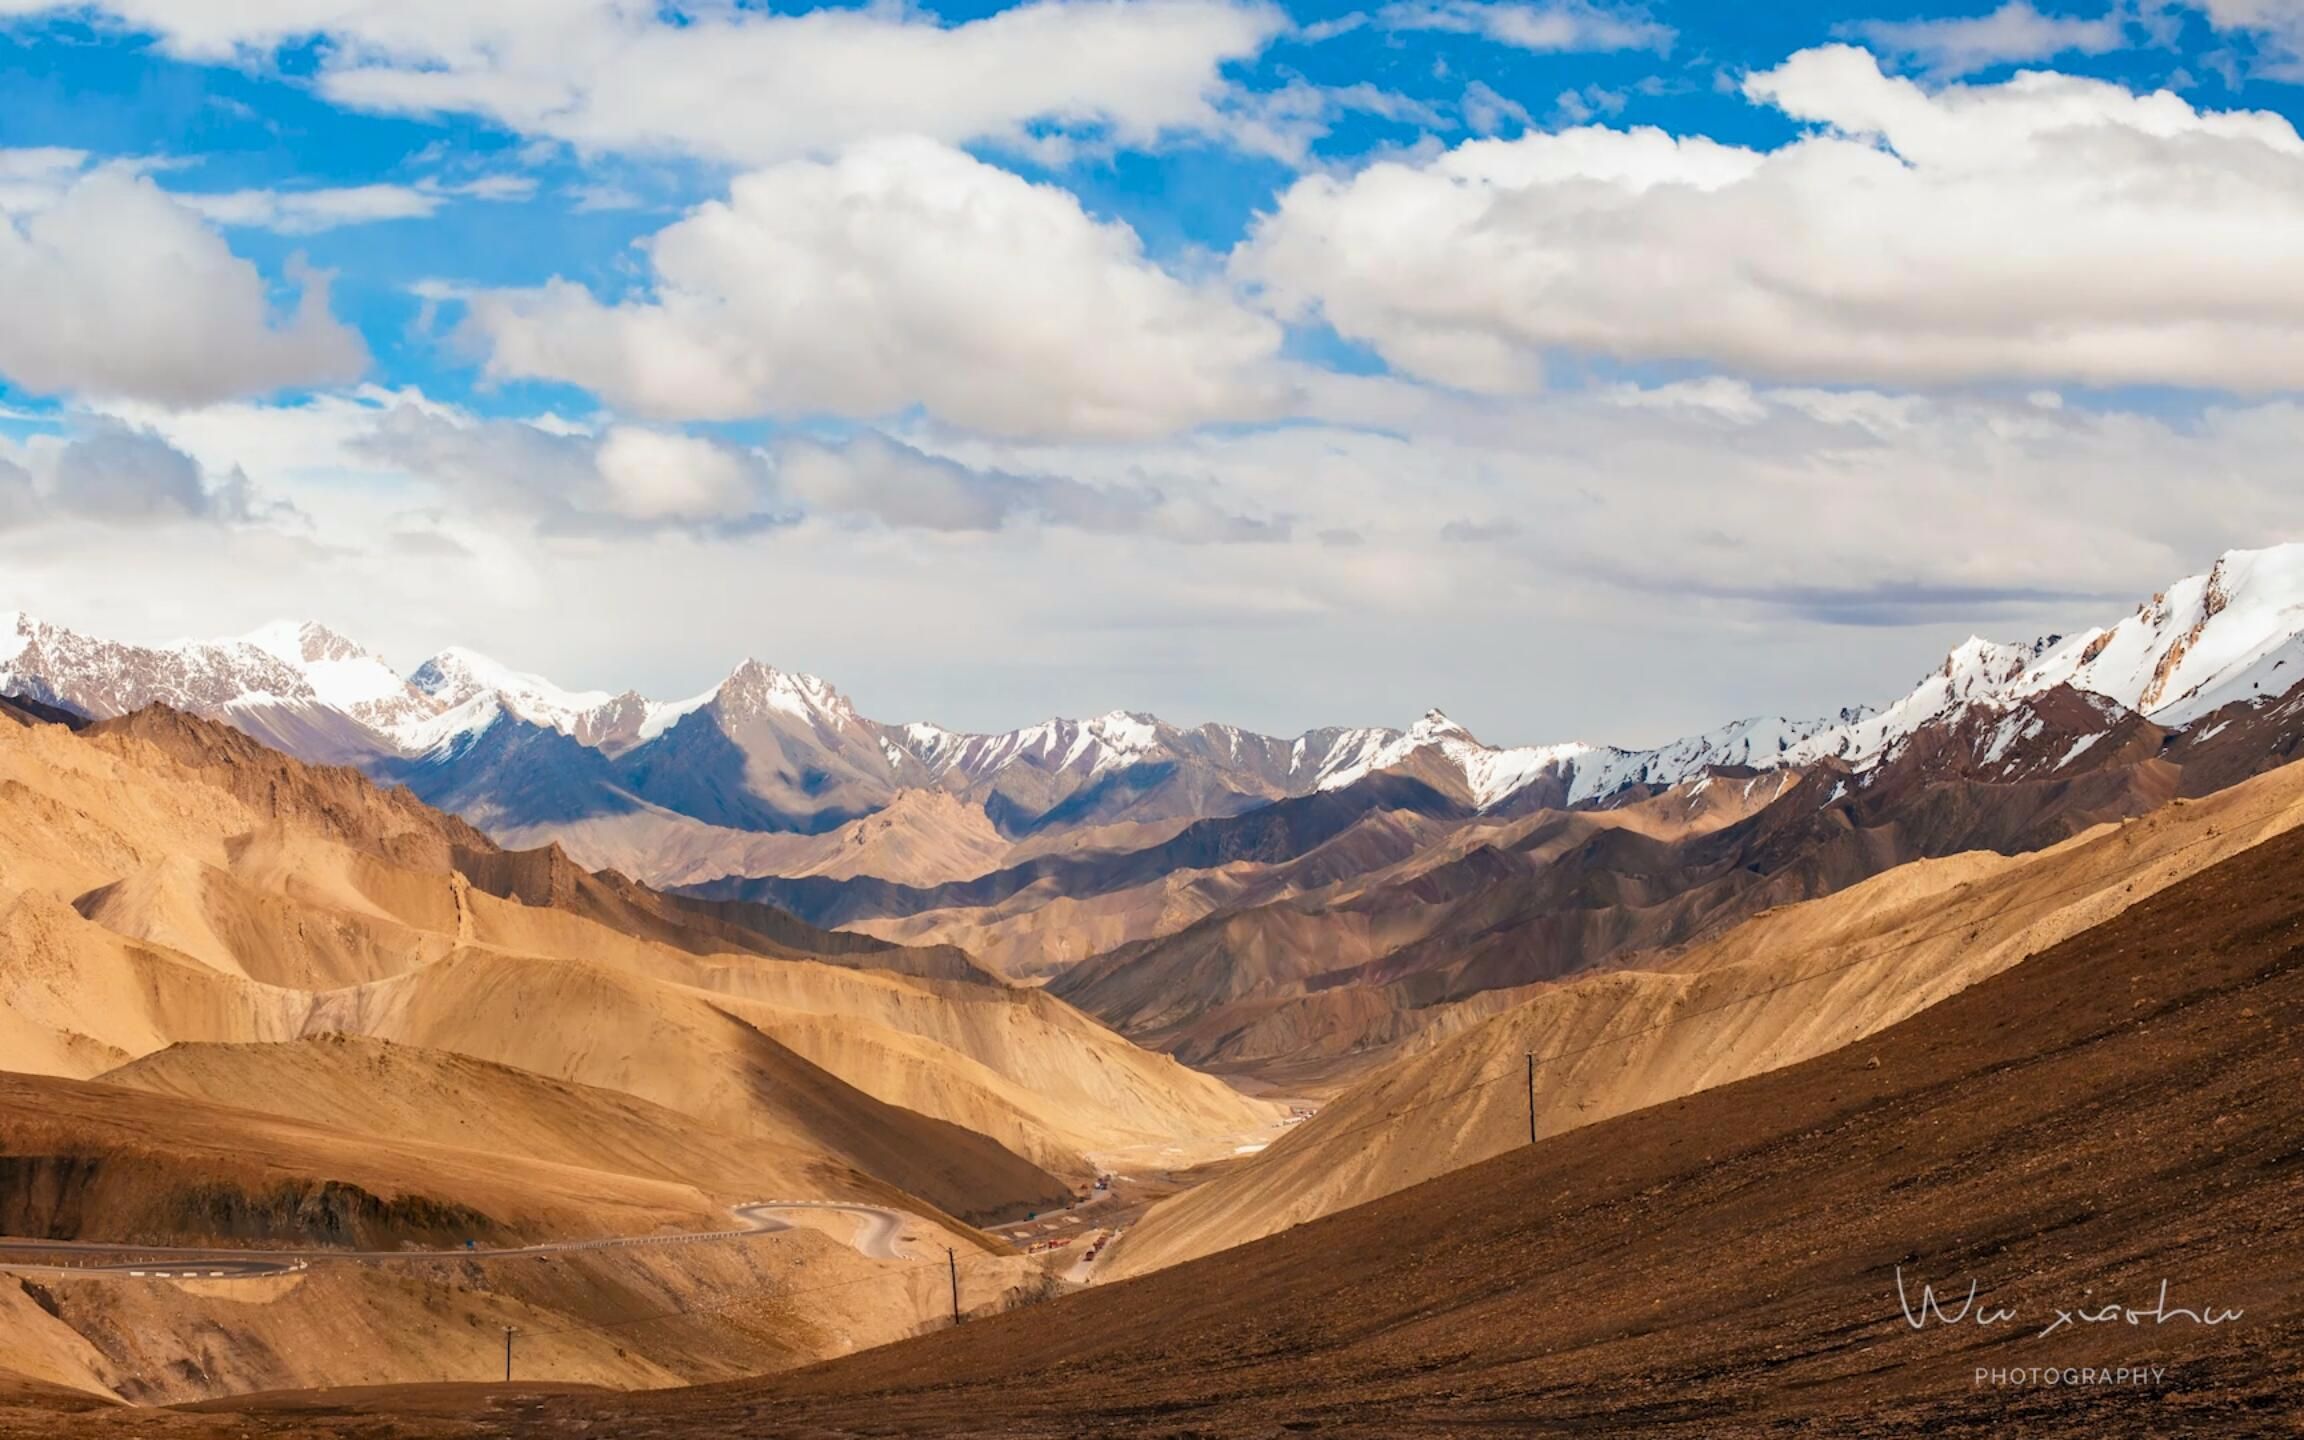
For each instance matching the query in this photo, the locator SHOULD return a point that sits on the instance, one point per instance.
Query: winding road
(881, 1237)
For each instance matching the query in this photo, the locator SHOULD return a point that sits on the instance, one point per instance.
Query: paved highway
(881, 1237)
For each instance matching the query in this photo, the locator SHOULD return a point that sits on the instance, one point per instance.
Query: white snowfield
(2233, 633)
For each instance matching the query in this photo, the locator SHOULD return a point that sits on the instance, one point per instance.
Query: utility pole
(954, 1261)
(1531, 1097)
(507, 1354)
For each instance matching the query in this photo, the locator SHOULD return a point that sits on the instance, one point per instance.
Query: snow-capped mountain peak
(1434, 726)
(2228, 634)
(455, 675)
(2232, 634)
(339, 674)
(755, 689)
(1490, 775)
(440, 737)
(15, 634)
(607, 721)
(303, 642)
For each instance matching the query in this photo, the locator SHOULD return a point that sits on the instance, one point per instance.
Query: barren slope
(227, 894)
(2117, 1111)
(1783, 986)
(352, 1085)
(80, 1160)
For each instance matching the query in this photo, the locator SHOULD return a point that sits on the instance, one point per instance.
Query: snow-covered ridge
(1590, 772)
(756, 689)
(15, 634)
(2232, 633)
(456, 676)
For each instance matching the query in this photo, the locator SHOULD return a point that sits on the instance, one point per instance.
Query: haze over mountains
(257, 1002)
(254, 999)
(1291, 908)
(671, 789)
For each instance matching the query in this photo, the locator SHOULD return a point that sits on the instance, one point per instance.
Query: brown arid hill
(348, 1154)
(921, 837)
(626, 1316)
(262, 899)
(79, 1159)
(198, 852)
(304, 998)
(353, 1086)
(2115, 1113)
(1054, 908)
(1529, 908)
(1786, 985)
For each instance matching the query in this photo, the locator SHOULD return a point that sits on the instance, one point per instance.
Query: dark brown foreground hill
(2123, 1110)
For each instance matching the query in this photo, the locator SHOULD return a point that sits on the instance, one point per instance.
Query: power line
(1534, 1062)
(1538, 1061)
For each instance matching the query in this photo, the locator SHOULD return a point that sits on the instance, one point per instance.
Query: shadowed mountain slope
(1563, 895)
(2118, 1111)
(1785, 985)
(165, 879)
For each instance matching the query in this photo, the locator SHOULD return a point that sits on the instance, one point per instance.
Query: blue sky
(1259, 335)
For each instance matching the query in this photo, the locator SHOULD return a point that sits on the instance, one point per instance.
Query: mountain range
(687, 790)
(257, 999)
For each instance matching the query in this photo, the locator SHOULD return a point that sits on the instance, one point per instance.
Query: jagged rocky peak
(1977, 664)
(1434, 725)
(304, 642)
(452, 675)
(754, 688)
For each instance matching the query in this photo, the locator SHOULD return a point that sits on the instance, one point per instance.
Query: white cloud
(2048, 228)
(2012, 34)
(1727, 534)
(1486, 112)
(309, 211)
(560, 479)
(35, 178)
(900, 486)
(116, 475)
(1551, 25)
(114, 289)
(305, 212)
(741, 85)
(624, 483)
(666, 475)
(2276, 27)
(903, 274)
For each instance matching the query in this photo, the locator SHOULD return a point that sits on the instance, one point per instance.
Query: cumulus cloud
(126, 475)
(114, 289)
(35, 177)
(904, 273)
(2274, 27)
(898, 485)
(626, 481)
(1728, 533)
(620, 481)
(738, 84)
(2013, 34)
(119, 475)
(19, 499)
(2050, 227)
